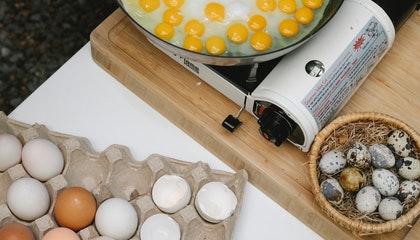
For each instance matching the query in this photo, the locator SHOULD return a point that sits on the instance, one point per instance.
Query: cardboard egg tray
(114, 173)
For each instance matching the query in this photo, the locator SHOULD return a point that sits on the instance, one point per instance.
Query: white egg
(160, 227)
(385, 181)
(390, 208)
(171, 193)
(28, 198)
(367, 199)
(104, 238)
(10, 151)
(215, 202)
(116, 218)
(42, 159)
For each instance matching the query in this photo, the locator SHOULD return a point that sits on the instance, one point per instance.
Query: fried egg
(227, 27)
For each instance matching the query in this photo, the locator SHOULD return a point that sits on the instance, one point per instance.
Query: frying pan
(331, 7)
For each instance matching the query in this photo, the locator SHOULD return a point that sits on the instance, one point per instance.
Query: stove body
(294, 96)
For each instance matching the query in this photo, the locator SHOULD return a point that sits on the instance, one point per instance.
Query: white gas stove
(294, 96)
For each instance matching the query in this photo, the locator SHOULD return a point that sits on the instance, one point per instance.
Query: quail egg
(385, 181)
(332, 191)
(358, 156)
(408, 168)
(332, 162)
(367, 199)
(409, 190)
(390, 208)
(399, 142)
(382, 156)
(352, 179)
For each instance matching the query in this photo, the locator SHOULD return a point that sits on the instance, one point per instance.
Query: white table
(82, 99)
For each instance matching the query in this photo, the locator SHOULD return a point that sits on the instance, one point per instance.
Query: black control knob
(275, 125)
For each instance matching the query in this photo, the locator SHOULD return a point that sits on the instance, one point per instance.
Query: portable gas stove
(294, 96)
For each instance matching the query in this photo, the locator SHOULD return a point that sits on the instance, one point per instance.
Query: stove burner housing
(295, 95)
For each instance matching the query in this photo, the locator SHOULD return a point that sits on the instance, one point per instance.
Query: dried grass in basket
(368, 128)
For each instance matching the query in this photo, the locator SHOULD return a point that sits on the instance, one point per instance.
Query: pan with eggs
(238, 31)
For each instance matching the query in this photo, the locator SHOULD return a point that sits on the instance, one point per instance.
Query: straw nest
(368, 128)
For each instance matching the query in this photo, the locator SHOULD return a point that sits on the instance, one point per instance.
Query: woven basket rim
(358, 227)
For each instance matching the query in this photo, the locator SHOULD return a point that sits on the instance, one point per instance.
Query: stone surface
(37, 37)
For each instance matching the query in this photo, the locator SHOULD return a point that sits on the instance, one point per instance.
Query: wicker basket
(367, 128)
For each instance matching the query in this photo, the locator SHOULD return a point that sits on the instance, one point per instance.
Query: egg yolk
(173, 16)
(215, 45)
(304, 15)
(266, 5)
(193, 44)
(260, 41)
(164, 30)
(215, 12)
(288, 28)
(218, 12)
(314, 4)
(194, 28)
(257, 23)
(237, 33)
(287, 6)
(173, 3)
(149, 5)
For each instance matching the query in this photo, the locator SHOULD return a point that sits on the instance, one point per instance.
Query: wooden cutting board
(196, 108)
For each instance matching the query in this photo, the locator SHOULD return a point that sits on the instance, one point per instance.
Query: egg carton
(115, 173)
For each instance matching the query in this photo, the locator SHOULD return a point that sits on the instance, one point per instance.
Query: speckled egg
(332, 162)
(358, 156)
(408, 168)
(352, 179)
(390, 208)
(409, 190)
(332, 191)
(382, 156)
(399, 142)
(385, 181)
(367, 199)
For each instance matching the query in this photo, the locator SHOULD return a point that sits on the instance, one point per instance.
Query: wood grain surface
(196, 108)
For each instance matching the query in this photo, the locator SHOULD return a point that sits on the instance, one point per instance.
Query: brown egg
(75, 208)
(61, 233)
(352, 179)
(16, 231)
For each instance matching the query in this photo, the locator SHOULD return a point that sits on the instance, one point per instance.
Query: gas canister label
(347, 73)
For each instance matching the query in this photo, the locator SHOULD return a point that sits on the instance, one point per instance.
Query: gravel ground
(37, 37)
